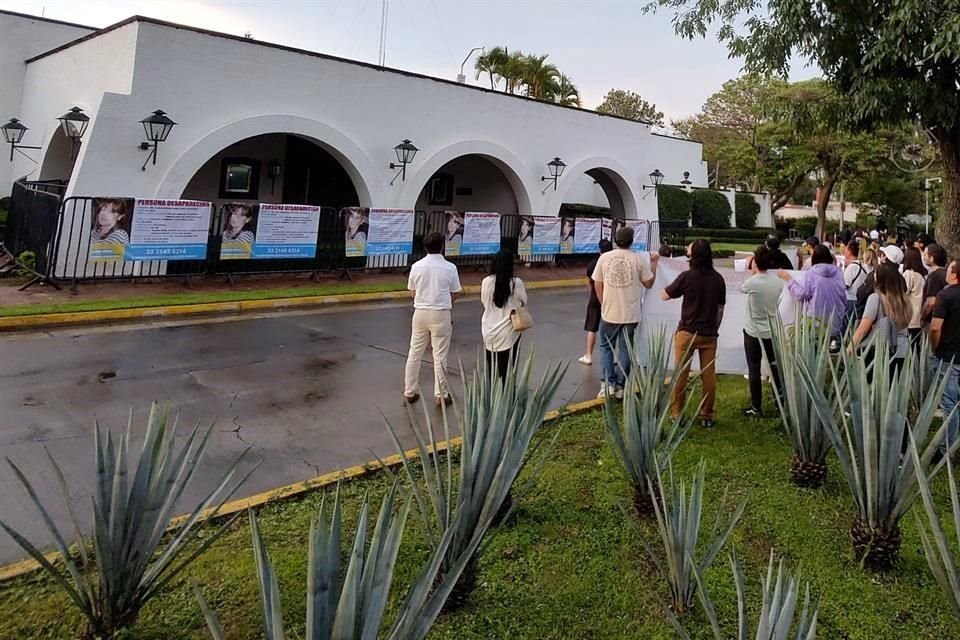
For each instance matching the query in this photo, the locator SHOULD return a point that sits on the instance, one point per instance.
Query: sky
(600, 44)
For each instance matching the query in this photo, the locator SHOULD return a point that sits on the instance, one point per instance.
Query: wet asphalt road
(303, 389)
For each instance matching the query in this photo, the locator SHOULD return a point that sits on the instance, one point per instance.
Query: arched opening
(595, 192)
(274, 168)
(59, 159)
(470, 182)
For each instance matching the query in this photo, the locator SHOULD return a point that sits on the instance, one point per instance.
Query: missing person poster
(169, 230)
(588, 235)
(546, 235)
(641, 229)
(356, 222)
(525, 235)
(238, 230)
(606, 228)
(391, 232)
(286, 231)
(452, 233)
(110, 221)
(568, 230)
(481, 235)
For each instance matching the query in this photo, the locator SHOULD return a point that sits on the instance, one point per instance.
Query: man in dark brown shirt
(704, 294)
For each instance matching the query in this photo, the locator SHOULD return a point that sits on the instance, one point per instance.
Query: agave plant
(780, 598)
(350, 606)
(131, 558)
(867, 422)
(499, 422)
(809, 343)
(923, 376)
(678, 522)
(939, 554)
(645, 438)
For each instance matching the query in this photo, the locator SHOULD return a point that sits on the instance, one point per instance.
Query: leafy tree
(525, 74)
(627, 104)
(888, 195)
(746, 211)
(710, 209)
(562, 91)
(894, 61)
(673, 203)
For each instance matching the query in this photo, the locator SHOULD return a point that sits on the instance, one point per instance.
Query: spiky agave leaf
(781, 595)
(936, 547)
(498, 423)
(866, 422)
(809, 343)
(130, 562)
(646, 437)
(678, 523)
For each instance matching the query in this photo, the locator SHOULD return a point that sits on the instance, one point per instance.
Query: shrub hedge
(710, 209)
(747, 211)
(733, 235)
(673, 203)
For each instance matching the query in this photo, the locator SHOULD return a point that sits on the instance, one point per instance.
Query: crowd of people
(861, 293)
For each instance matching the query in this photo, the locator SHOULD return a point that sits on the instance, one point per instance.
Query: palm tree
(513, 71)
(562, 91)
(538, 75)
(491, 63)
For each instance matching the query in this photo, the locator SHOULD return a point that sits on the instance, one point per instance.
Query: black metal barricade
(32, 221)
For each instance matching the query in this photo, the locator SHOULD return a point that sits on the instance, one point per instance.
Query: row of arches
(297, 160)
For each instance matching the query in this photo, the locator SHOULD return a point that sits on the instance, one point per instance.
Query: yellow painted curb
(16, 569)
(237, 306)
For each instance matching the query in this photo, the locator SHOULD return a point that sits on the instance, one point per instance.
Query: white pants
(434, 327)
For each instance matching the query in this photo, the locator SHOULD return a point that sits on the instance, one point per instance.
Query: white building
(309, 128)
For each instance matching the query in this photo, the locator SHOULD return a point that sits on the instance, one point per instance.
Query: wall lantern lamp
(273, 170)
(74, 124)
(12, 134)
(157, 127)
(686, 179)
(555, 167)
(656, 179)
(405, 153)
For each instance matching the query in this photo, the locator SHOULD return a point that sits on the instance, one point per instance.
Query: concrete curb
(75, 318)
(23, 567)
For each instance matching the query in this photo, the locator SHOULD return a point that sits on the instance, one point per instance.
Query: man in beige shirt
(618, 279)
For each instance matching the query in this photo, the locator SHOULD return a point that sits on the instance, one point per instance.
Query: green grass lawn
(569, 565)
(734, 246)
(196, 297)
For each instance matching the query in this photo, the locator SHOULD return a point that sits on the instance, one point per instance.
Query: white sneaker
(606, 390)
(618, 394)
(585, 359)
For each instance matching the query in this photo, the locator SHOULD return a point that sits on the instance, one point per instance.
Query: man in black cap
(780, 259)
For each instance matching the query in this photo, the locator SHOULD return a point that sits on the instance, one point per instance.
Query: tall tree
(537, 75)
(491, 62)
(628, 104)
(749, 138)
(563, 91)
(893, 60)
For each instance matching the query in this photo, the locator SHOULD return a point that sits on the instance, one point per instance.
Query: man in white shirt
(617, 279)
(854, 274)
(435, 284)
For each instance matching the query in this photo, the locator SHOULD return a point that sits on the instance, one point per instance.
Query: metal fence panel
(32, 220)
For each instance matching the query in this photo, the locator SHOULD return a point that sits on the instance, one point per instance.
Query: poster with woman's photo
(391, 232)
(482, 234)
(286, 231)
(606, 229)
(588, 235)
(110, 224)
(453, 224)
(525, 235)
(356, 224)
(169, 230)
(568, 230)
(640, 230)
(238, 230)
(546, 235)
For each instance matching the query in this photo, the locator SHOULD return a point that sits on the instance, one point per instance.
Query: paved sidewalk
(305, 389)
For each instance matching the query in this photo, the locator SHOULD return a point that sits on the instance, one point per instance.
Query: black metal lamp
(273, 170)
(555, 167)
(656, 179)
(12, 134)
(74, 124)
(405, 153)
(157, 127)
(686, 179)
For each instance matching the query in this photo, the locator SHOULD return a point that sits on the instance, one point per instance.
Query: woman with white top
(915, 275)
(500, 294)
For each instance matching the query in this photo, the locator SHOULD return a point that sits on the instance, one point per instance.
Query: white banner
(391, 231)
(588, 235)
(481, 234)
(169, 230)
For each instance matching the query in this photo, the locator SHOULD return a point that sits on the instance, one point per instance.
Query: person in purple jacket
(821, 291)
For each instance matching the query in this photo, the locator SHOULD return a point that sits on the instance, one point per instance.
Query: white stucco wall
(490, 188)
(358, 113)
(23, 37)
